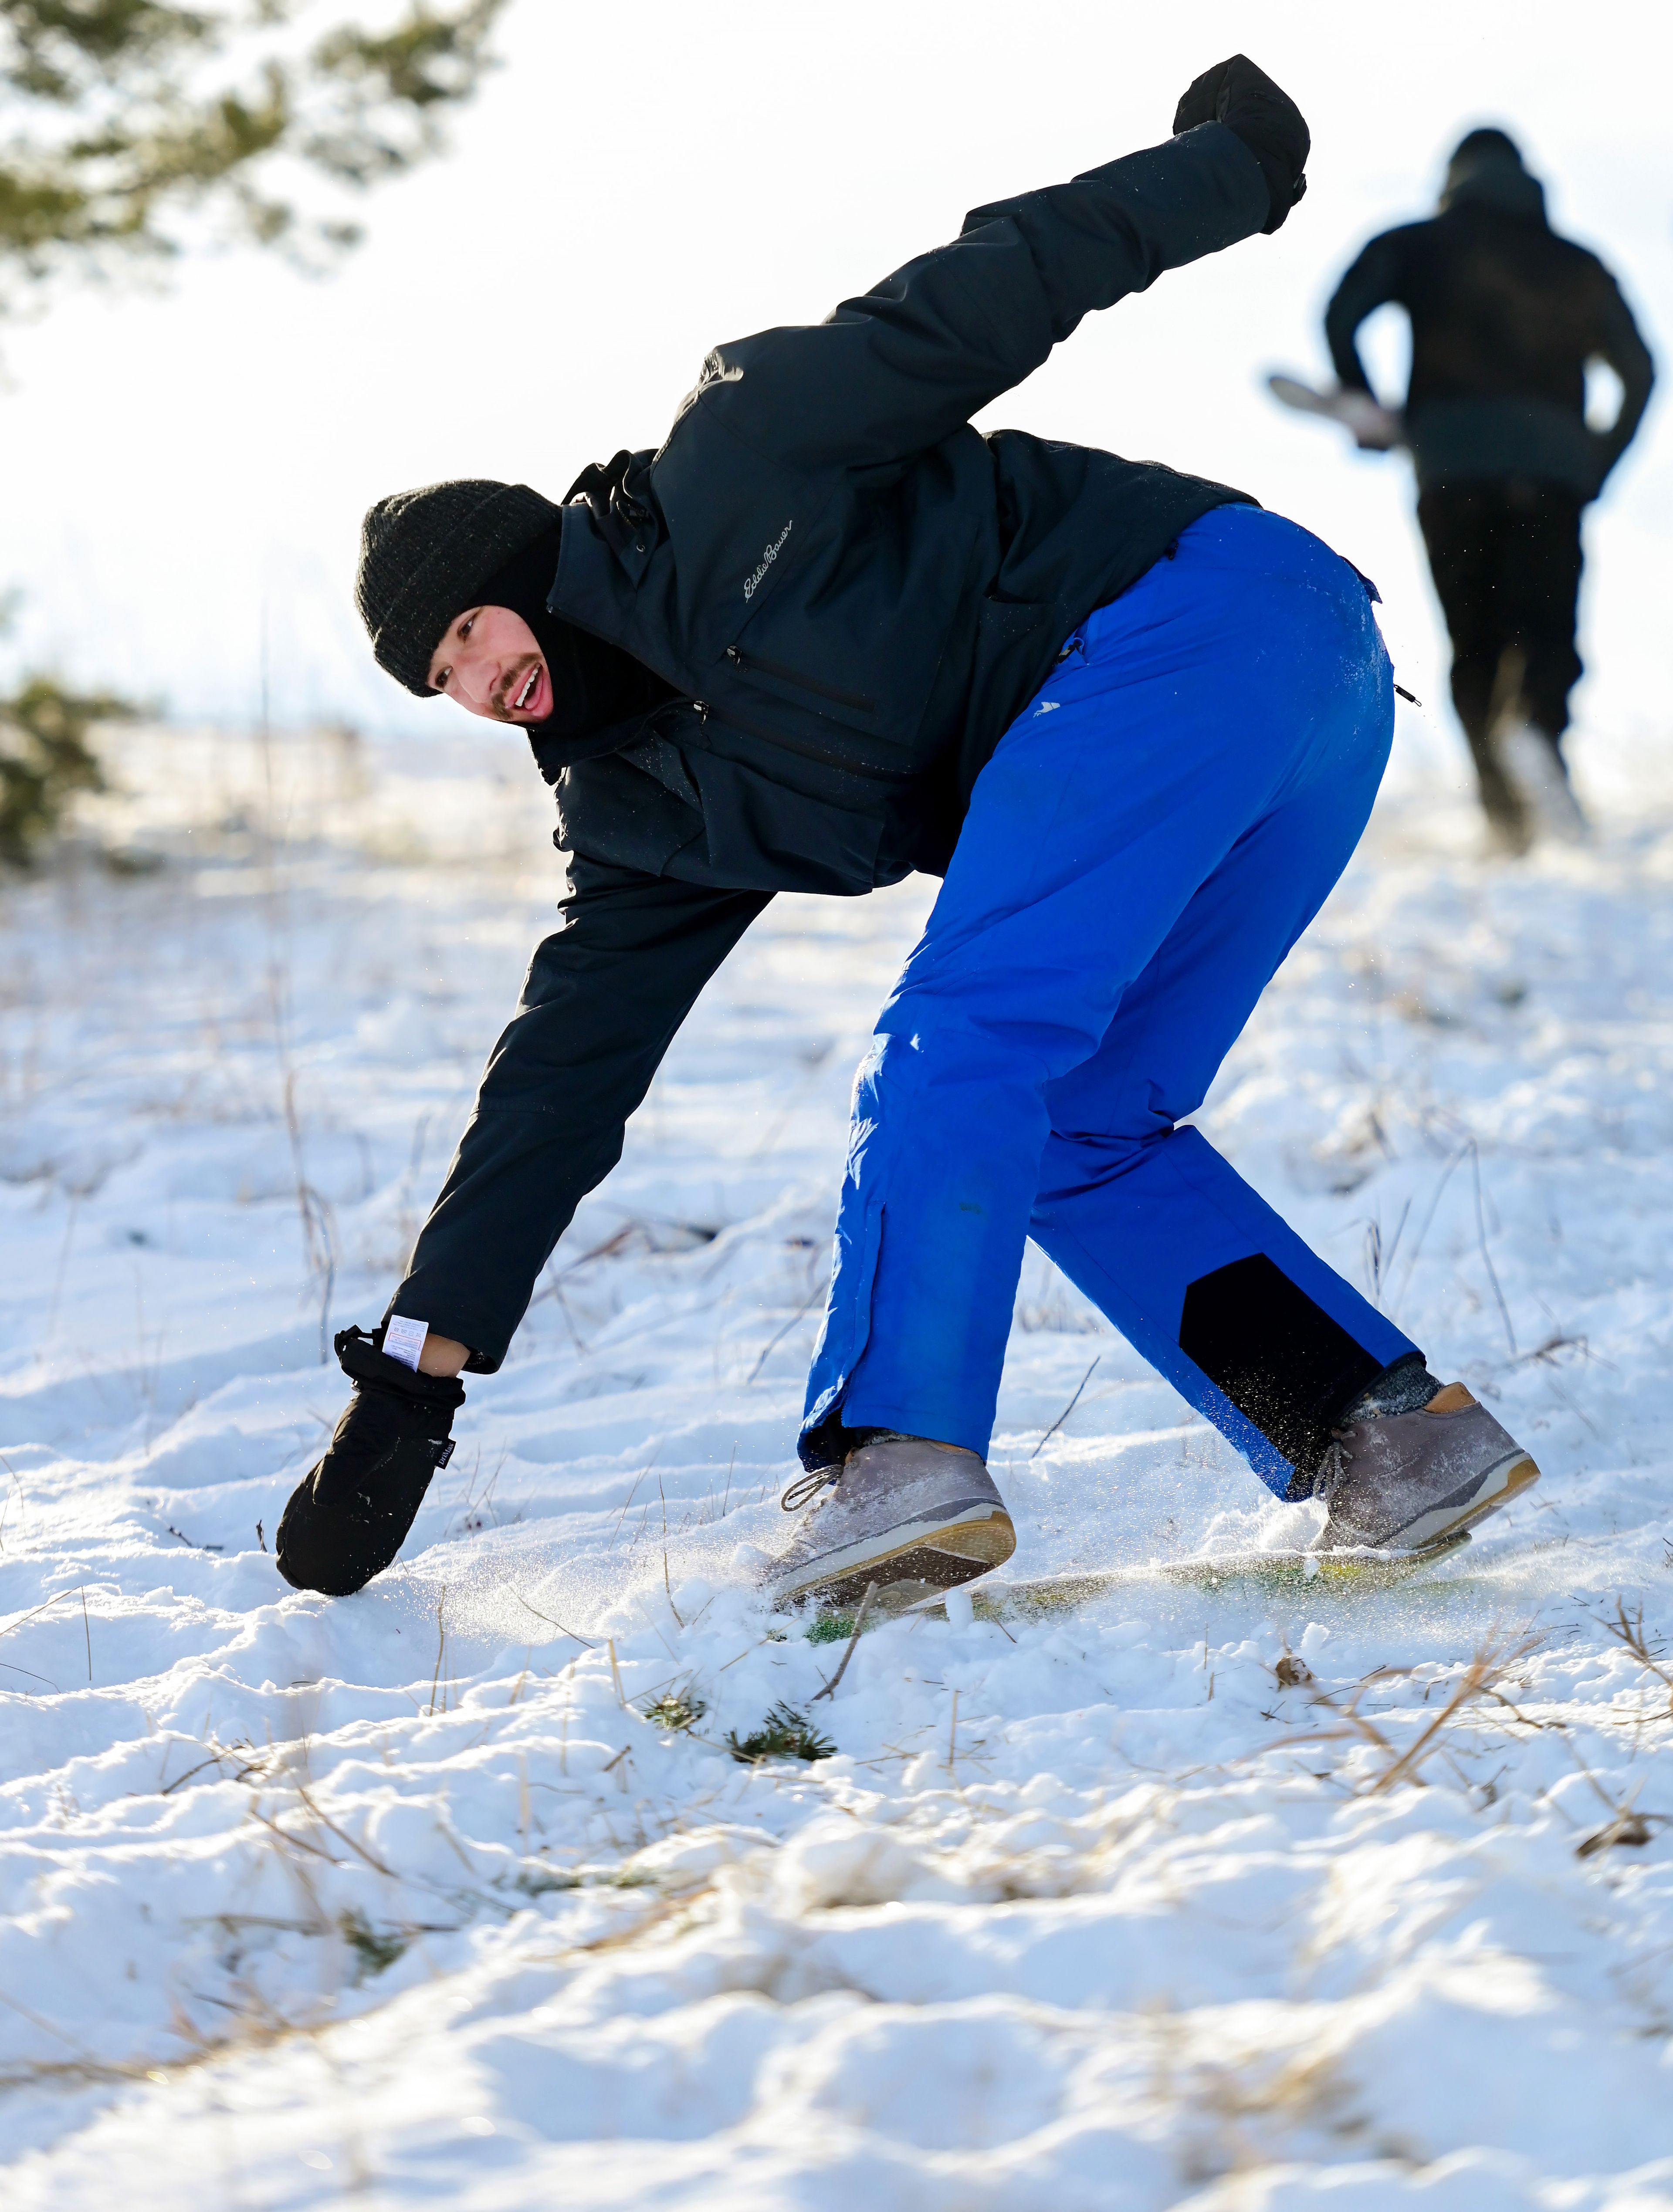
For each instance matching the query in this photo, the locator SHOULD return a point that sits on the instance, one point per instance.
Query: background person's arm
(908, 362)
(602, 1002)
(1622, 344)
(1375, 279)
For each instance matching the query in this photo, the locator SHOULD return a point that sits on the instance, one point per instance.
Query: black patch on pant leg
(1281, 1359)
(829, 1444)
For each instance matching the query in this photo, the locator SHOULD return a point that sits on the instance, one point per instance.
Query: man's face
(488, 659)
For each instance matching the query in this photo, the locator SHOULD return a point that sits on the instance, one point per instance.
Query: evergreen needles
(785, 1733)
(45, 759)
(374, 1951)
(674, 1711)
(121, 126)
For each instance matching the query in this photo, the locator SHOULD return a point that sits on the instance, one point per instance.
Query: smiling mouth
(509, 702)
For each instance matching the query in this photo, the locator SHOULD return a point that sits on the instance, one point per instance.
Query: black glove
(1245, 100)
(347, 1520)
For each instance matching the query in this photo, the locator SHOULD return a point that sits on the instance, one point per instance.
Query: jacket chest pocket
(808, 690)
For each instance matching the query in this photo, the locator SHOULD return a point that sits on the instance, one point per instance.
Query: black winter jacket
(1505, 316)
(853, 593)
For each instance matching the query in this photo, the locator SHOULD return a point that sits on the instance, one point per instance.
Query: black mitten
(1245, 100)
(347, 1520)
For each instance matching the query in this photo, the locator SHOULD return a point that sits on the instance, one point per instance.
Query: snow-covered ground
(1237, 1894)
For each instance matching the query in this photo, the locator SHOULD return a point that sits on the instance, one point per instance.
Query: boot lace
(806, 1487)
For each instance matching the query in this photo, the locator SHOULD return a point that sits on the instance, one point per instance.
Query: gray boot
(1405, 1482)
(898, 1510)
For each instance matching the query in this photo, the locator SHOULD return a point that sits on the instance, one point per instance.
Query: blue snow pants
(1153, 834)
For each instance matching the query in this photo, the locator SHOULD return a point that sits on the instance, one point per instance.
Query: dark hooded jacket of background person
(1506, 314)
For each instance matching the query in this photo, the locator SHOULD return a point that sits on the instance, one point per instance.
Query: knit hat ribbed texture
(425, 556)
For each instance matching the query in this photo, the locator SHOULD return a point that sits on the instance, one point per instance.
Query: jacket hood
(1486, 170)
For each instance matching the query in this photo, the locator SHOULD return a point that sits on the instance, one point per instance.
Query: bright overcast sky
(637, 183)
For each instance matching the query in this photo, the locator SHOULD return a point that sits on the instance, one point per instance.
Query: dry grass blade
(1628, 1630)
(663, 1909)
(1627, 1827)
(773, 1342)
(44, 2027)
(1357, 1724)
(666, 1584)
(1491, 1663)
(297, 1843)
(551, 1623)
(250, 2034)
(829, 1689)
(1486, 1256)
(7, 1627)
(343, 1837)
(1067, 1411)
(237, 1755)
(180, 1780)
(441, 1650)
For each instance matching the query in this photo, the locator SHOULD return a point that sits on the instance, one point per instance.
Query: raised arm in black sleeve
(906, 364)
(600, 1006)
(1245, 100)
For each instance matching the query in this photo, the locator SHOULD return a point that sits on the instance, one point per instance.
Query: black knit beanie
(424, 557)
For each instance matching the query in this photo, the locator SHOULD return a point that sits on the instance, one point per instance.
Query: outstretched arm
(603, 1001)
(906, 364)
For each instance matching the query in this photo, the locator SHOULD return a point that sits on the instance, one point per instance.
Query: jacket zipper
(704, 713)
(782, 675)
(827, 757)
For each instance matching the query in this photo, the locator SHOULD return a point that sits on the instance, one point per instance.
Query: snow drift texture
(1240, 1895)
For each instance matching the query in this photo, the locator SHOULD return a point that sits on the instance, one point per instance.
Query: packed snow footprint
(1216, 1888)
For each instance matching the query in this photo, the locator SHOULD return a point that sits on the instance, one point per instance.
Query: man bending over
(828, 633)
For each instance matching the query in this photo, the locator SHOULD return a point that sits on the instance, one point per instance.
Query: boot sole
(1519, 1473)
(1522, 1476)
(953, 1555)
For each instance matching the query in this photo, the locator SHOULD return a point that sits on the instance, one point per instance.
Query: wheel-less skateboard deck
(1372, 424)
(1038, 1597)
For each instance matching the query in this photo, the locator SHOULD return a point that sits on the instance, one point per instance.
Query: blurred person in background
(1505, 317)
(828, 633)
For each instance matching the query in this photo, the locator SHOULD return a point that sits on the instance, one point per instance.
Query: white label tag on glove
(404, 1339)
